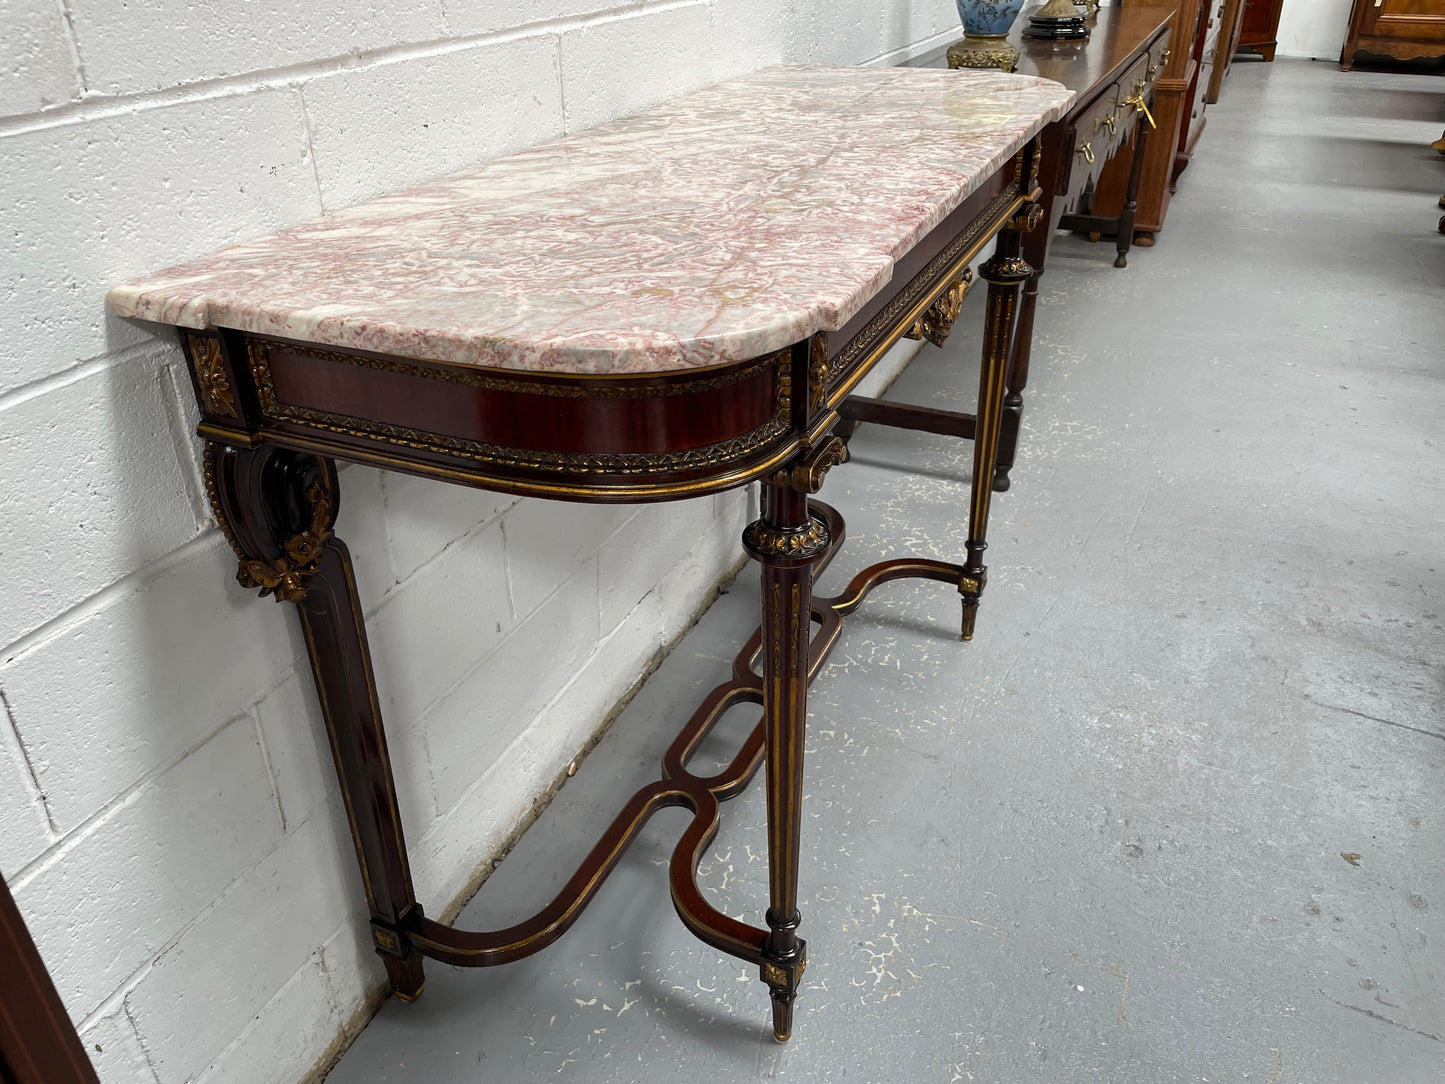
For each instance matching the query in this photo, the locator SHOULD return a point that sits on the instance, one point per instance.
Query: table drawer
(1095, 136)
(1159, 54)
(1132, 84)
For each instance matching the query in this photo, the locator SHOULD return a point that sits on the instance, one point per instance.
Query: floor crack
(1387, 722)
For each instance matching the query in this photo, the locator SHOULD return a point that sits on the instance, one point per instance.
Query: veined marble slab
(716, 227)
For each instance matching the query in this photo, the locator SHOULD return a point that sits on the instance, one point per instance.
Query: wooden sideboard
(1179, 111)
(1113, 74)
(1401, 29)
(1231, 27)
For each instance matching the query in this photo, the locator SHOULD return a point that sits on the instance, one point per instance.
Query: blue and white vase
(985, 25)
(988, 18)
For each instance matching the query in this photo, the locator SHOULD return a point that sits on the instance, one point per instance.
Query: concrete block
(120, 891)
(468, 730)
(634, 559)
(93, 490)
(432, 630)
(546, 540)
(298, 751)
(267, 926)
(301, 764)
(904, 24)
(752, 34)
(93, 204)
(504, 784)
(361, 524)
(352, 969)
(27, 832)
(37, 70)
(282, 1044)
(386, 127)
(846, 32)
(115, 1050)
(621, 65)
(424, 518)
(486, 16)
(134, 685)
(128, 48)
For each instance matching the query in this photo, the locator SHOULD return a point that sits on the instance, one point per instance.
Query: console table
(665, 306)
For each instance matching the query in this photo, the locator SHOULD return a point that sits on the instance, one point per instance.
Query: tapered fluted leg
(277, 508)
(785, 541)
(1003, 272)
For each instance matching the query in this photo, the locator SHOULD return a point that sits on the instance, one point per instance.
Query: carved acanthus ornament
(216, 394)
(289, 576)
(817, 371)
(937, 320)
(764, 540)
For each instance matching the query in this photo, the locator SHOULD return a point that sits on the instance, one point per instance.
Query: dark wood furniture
(1259, 32)
(37, 1043)
(1181, 120)
(1112, 75)
(1206, 50)
(1231, 24)
(1400, 29)
(277, 412)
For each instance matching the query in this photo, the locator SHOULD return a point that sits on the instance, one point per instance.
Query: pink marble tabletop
(716, 227)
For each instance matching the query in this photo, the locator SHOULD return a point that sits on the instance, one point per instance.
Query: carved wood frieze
(937, 320)
(507, 457)
(982, 226)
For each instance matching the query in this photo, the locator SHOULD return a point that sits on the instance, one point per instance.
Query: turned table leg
(1131, 195)
(277, 508)
(784, 541)
(1003, 272)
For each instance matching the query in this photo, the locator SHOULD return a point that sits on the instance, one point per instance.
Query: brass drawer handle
(1109, 120)
(1088, 152)
(1161, 62)
(1137, 101)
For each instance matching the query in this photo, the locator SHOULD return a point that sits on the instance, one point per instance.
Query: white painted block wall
(169, 821)
(1313, 29)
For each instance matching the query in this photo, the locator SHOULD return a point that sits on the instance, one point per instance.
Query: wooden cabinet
(1230, 25)
(1403, 29)
(1206, 48)
(1259, 32)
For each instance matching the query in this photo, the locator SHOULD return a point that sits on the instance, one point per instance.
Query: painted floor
(1175, 814)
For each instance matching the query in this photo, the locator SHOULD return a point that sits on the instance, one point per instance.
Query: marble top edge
(715, 227)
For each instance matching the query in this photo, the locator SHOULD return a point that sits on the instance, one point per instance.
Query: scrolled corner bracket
(808, 475)
(289, 576)
(936, 323)
(1028, 218)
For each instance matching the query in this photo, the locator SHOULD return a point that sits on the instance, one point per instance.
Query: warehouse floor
(1176, 813)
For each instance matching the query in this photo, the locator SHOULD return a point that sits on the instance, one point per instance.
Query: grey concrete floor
(1105, 841)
